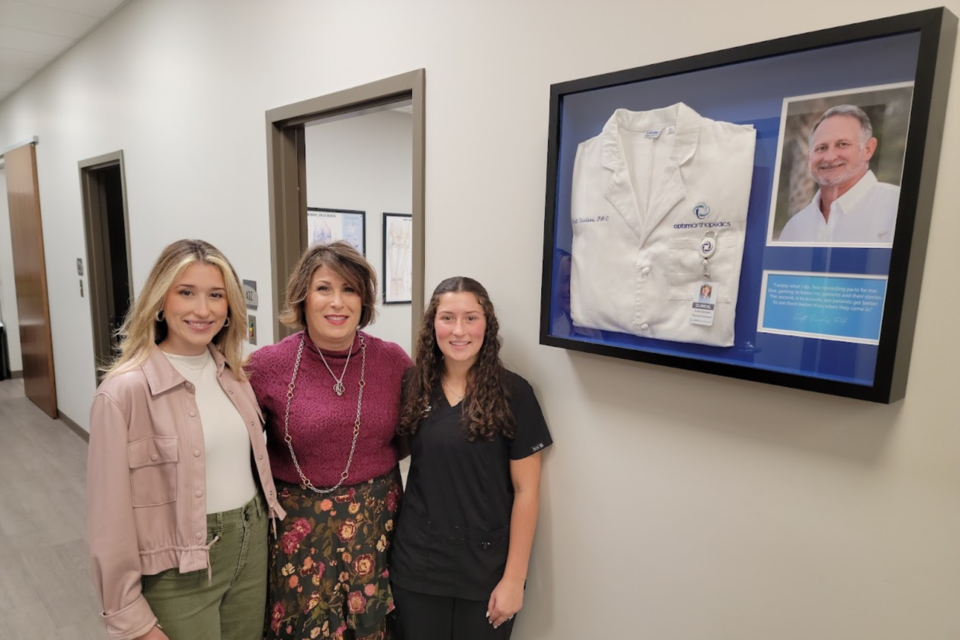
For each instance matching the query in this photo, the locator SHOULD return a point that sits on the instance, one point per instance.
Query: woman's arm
(112, 532)
(507, 597)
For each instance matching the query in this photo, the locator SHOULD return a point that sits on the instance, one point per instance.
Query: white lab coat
(637, 266)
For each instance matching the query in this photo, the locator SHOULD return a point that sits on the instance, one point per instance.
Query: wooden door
(30, 276)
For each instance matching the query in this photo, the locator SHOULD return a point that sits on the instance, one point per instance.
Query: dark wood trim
(73, 426)
(30, 274)
(99, 276)
(286, 177)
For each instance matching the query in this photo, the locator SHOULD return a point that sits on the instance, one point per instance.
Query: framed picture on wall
(760, 212)
(397, 258)
(327, 225)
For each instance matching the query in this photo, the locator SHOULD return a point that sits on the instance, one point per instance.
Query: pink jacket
(146, 487)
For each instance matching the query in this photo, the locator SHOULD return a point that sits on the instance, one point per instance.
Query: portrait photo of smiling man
(831, 193)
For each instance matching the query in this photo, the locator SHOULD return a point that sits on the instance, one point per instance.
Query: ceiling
(34, 33)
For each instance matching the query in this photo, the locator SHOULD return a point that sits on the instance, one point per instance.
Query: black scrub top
(454, 527)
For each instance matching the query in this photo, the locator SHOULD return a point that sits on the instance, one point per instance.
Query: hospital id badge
(704, 304)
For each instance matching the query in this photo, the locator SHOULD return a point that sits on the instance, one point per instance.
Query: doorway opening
(106, 225)
(324, 133)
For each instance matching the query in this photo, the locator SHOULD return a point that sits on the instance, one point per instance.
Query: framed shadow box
(760, 212)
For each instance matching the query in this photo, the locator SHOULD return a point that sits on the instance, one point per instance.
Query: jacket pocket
(685, 266)
(483, 555)
(153, 470)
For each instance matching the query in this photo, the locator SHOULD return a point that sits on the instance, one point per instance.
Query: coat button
(189, 387)
(230, 392)
(193, 414)
(645, 271)
(251, 423)
(644, 326)
(260, 456)
(196, 453)
(154, 457)
(199, 494)
(199, 535)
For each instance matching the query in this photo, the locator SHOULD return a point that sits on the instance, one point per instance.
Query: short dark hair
(341, 258)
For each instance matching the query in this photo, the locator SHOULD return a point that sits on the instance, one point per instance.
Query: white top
(866, 214)
(646, 193)
(230, 482)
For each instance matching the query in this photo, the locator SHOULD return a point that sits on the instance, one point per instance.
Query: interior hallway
(45, 586)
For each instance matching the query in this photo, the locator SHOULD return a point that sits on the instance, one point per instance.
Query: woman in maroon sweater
(330, 396)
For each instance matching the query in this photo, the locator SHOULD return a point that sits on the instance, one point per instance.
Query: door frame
(95, 229)
(286, 178)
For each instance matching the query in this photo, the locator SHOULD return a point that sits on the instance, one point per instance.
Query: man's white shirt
(646, 193)
(866, 214)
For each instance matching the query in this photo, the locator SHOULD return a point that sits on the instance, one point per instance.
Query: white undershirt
(229, 475)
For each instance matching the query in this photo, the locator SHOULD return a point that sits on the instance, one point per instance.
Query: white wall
(775, 514)
(364, 163)
(8, 288)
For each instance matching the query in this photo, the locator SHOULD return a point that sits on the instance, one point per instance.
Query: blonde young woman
(179, 488)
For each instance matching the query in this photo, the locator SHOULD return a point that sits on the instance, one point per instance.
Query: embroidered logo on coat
(701, 210)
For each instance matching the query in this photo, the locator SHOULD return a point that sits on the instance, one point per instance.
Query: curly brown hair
(486, 404)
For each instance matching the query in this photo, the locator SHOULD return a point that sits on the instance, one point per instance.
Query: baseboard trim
(77, 429)
(16, 374)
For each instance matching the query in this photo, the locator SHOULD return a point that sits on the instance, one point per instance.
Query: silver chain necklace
(338, 387)
(304, 480)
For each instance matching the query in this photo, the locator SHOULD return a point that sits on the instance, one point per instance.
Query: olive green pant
(230, 604)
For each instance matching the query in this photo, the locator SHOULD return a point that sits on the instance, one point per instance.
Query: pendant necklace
(304, 480)
(338, 382)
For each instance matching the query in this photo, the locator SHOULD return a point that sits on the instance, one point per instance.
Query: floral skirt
(328, 565)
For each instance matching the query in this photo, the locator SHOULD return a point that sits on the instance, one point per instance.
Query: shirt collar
(160, 374)
(849, 200)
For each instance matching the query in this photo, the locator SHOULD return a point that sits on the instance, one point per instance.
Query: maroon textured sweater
(321, 423)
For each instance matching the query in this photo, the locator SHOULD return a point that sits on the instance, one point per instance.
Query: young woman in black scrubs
(469, 514)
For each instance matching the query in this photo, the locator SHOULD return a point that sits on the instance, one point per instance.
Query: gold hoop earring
(159, 315)
(227, 322)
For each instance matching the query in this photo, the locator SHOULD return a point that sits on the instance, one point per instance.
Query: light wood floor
(45, 586)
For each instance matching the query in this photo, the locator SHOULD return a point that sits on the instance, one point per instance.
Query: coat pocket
(153, 470)
(685, 267)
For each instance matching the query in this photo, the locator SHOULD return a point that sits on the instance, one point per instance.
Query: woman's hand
(505, 601)
(156, 633)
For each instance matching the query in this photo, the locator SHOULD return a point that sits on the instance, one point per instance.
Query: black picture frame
(345, 223)
(397, 266)
(935, 32)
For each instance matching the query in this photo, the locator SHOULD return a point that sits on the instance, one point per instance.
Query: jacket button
(199, 535)
(189, 387)
(645, 270)
(644, 326)
(193, 414)
(196, 453)
(199, 494)
(154, 457)
(230, 392)
(260, 456)
(251, 423)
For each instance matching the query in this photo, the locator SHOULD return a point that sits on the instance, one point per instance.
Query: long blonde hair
(141, 330)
